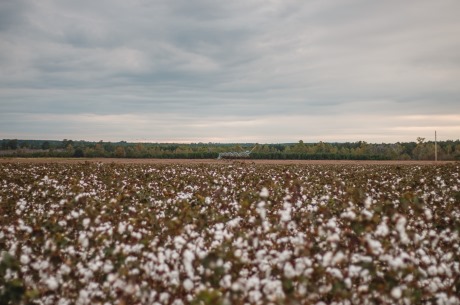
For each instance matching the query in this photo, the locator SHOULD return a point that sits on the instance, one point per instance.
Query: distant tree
(139, 148)
(99, 149)
(449, 149)
(89, 152)
(120, 152)
(66, 143)
(13, 144)
(78, 153)
(299, 147)
(457, 152)
(363, 148)
(46, 145)
(24, 144)
(109, 147)
(424, 151)
(69, 149)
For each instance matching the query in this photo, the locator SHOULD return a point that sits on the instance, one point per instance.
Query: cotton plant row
(237, 233)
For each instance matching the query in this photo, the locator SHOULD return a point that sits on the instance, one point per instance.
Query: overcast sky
(230, 71)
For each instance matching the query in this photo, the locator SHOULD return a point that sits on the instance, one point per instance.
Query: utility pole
(435, 147)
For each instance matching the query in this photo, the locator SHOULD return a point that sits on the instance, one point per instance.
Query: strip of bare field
(215, 161)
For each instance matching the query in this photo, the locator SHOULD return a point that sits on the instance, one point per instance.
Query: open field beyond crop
(229, 233)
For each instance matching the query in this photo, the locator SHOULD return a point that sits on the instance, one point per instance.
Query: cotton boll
(261, 209)
(338, 258)
(374, 245)
(121, 228)
(335, 272)
(332, 224)
(348, 215)
(83, 240)
(368, 202)
(188, 258)
(289, 271)
(396, 292)
(327, 258)
(401, 228)
(188, 284)
(24, 259)
(108, 267)
(86, 222)
(52, 283)
(226, 281)
(264, 193)
(428, 214)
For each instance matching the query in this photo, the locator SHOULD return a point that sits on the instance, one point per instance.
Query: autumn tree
(120, 152)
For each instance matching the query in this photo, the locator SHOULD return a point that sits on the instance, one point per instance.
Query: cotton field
(232, 233)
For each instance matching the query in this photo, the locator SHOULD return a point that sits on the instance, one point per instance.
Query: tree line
(417, 150)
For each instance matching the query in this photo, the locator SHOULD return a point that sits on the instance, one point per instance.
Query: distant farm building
(236, 154)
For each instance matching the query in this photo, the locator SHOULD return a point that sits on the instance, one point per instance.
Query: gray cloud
(200, 63)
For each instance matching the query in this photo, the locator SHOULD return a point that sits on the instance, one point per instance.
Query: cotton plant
(230, 233)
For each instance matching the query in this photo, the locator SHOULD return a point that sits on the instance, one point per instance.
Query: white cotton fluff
(332, 224)
(188, 284)
(86, 222)
(189, 257)
(107, 267)
(264, 193)
(178, 302)
(327, 259)
(335, 272)
(367, 214)
(338, 258)
(353, 271)
(401, 228)
(83, 240)
(382, 229)
(396, 292)
(374, 245)
(179, 242)
(289, 271)
(348, 282)
(21, 206)
(226, 281)
(368, 202)
(428, 214)
(273, 289)
(164, 297)
(65, 269)
(348, 215)
(24, 259)
(397, 263)
(255, 296)
(286, 212)
(52, 283)
(261, 209)
(121, 228)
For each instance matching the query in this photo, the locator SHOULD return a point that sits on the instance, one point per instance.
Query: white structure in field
(236, 155)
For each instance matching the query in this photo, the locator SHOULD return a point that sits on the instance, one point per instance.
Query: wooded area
(419, 150)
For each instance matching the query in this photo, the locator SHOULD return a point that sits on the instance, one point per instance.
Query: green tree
(78, 153)
(299, 147)
(99, 148)
(46, 145)
(120, 152)
(66, 143)
(12, 144)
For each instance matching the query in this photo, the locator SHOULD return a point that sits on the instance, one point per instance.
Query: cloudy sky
(230, 71)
